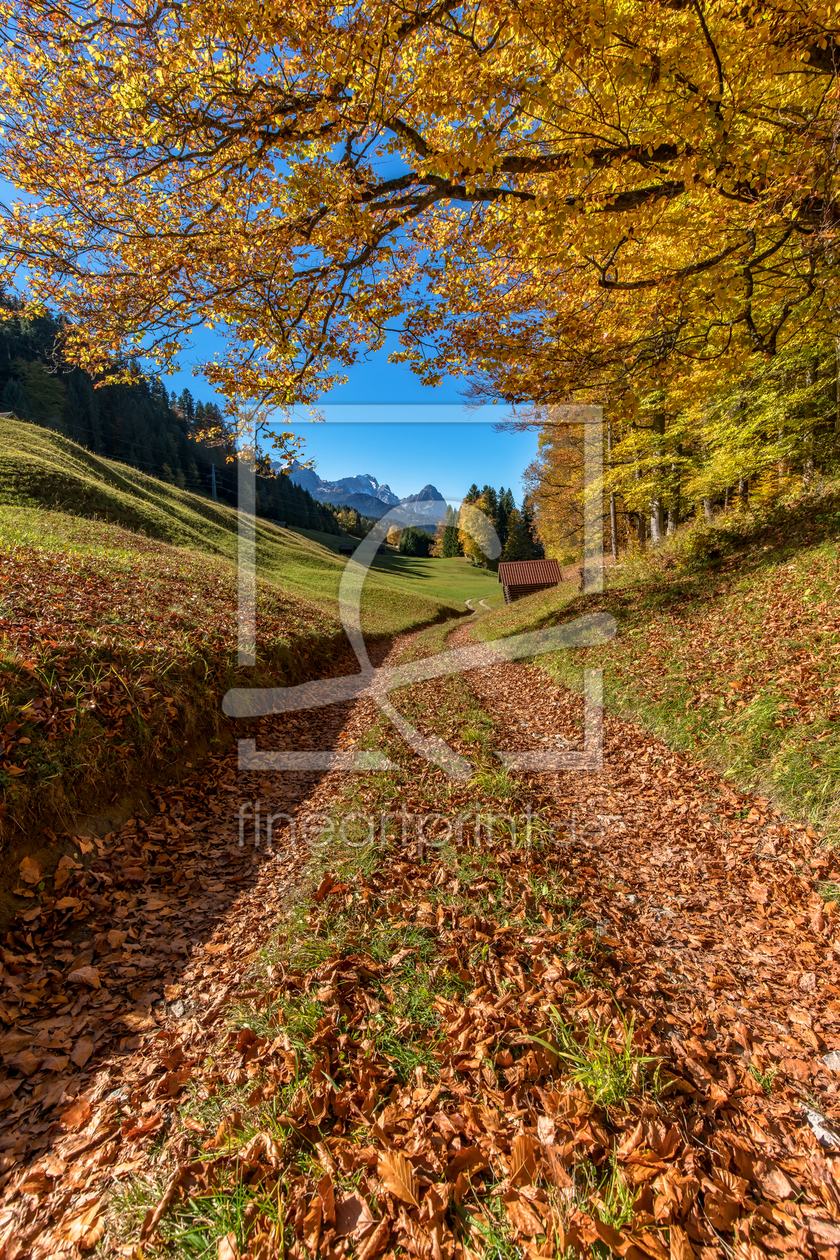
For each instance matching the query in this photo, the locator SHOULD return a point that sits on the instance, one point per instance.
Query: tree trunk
(708, 511)
(613, 526)
(640, 518)
(674, 504)
(743, 491)
(809, 467)
(657, 521)
(726, 500)
(673, 519)
(657, 509)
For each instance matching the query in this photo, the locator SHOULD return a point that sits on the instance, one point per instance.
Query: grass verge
(728, 647)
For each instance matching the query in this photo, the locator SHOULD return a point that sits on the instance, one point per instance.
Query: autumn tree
(302, 179)
(518, 545)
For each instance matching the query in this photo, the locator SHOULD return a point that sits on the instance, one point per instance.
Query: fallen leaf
(155, 1213)
(312, 1226)
(681, 1248)
(227, 1249)
(353, 1218)
(326, 1194)
(55, 1063)
(85, 1226)
(376, 1243)
(468, 1159)
(398, 1176)
(30, 871)
(139, 1020)
(133, 1129)
(85, 975)
(26, 1061)
(324, 887)
(523, 1160)
(522, 1216)
(76, 1115)
(82, 1051)
(15, 1040)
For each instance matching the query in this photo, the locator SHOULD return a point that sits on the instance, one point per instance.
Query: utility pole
(213, 481)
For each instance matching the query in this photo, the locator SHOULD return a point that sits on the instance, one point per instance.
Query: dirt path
(710, 891)
(116, 987)
(139, 942)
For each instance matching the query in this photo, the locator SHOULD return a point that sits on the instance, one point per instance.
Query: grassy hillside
(450, 581)
(728, 646)
(39, 469)
(114, 655)
(118, 601)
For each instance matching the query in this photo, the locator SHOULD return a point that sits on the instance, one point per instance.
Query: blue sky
(385, 422)
(434, 438)
(412, 454)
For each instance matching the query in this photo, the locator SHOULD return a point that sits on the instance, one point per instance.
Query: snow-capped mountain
(341, 491)
(364, 493)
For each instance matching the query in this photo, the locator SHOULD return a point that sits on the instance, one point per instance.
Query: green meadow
(48, 482)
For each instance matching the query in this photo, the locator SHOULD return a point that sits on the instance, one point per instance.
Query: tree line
(486, 528)
(137, 423)
(352, 522)
(691, 446)
(515, 528)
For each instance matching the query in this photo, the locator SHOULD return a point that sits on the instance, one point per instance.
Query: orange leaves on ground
(85, 975)
(396, 1087)
(97, 643)
(523, 1160)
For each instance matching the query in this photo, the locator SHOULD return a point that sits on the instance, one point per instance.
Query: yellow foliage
(301, 178)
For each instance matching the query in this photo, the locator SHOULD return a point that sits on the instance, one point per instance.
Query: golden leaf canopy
(546, 196)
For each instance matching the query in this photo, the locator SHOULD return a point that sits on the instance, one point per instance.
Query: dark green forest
(515, 528)
(139, 424)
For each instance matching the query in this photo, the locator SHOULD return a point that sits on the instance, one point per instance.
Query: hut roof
(529, 572)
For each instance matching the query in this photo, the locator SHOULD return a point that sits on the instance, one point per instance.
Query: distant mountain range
(369, 498)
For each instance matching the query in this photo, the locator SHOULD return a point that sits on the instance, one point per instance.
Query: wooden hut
(344, 549)
(523, 577)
